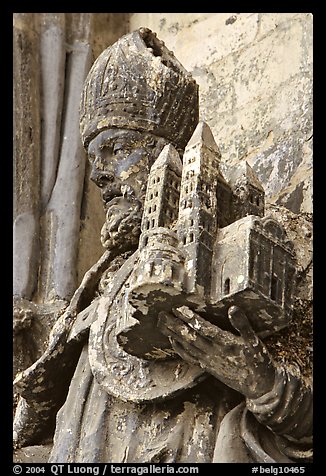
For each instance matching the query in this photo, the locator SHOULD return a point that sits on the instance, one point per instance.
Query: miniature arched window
(184, 240)
(147, 224)
(145, 241)
(226, 289)
(153, 223)
(151, 196)
(156, 194)
(154, 180)
(154, 210)
(191, 222)
(191, 237)
(158, 179)
(258, 200)
(150, 210)
(274, 288)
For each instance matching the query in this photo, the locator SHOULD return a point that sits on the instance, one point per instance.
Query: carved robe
(123, 409)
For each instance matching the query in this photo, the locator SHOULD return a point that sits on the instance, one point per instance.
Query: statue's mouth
(110, 192)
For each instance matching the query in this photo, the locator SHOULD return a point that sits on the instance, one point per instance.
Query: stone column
(64, 173)
(26, 154)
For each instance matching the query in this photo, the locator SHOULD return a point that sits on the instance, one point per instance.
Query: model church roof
(169, 156)
(243, 172)
(203, 135)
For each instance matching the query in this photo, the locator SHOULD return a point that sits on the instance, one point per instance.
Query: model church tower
(249, 195)
(163, 191)
(197, 222)
(206, 244)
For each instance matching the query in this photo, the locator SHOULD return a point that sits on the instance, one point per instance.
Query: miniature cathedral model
(205, 243)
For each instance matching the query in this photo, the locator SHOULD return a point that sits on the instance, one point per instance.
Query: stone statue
(159, 356)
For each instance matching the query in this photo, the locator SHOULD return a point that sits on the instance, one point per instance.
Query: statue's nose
(101, 177)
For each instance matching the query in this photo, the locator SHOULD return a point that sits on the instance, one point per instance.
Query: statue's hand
(241, 362)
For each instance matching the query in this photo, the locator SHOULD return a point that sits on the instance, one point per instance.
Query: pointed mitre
(138, 84)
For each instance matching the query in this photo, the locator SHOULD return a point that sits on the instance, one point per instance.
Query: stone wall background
(254, 71)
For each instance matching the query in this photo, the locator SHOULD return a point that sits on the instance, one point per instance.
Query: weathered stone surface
(151, 409)
(33, 454)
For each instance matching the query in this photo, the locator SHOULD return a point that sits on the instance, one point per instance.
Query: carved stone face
(121, 160)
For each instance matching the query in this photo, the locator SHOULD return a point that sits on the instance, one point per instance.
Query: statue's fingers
(201, 325)
(241, 323)
(184, 353)
(182, 333)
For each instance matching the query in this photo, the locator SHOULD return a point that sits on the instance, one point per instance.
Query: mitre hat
(138, 84)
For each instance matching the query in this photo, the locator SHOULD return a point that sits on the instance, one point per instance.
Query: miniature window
(154, 208)
(175, 273)
(153, 223)
(186, 189)
(156, 194)
(158, 179)
(274, 287)
(184, 240)
(154, 180)
(191, 237)
(150, 210)
(227, 286)
(146, 241)
(151, 196)
(147, 225)
(257, 201)
(191, 222)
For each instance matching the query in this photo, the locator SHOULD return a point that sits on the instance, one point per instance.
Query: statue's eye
(118, 149)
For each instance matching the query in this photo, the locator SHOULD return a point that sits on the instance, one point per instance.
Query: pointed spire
(203, 135)
(169, 156)
(252, 178)
(243, 171)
